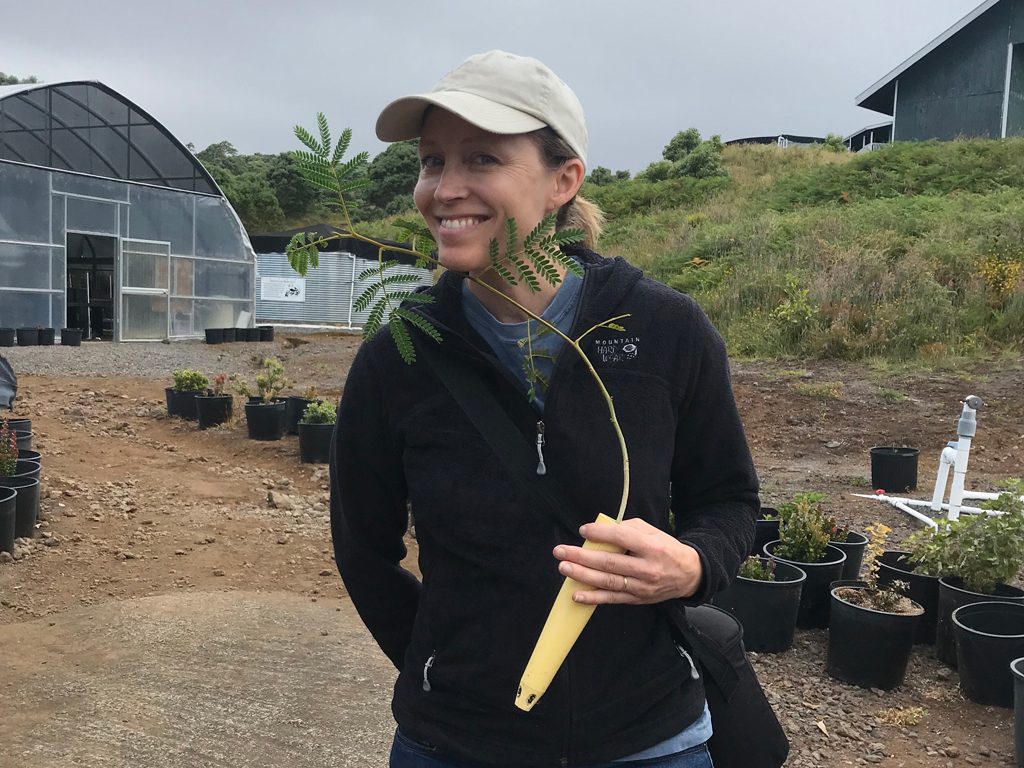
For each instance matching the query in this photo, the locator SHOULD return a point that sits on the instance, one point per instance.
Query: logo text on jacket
(617, 350)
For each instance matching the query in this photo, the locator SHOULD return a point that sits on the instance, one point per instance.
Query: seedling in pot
(758, 568)
(8, 449)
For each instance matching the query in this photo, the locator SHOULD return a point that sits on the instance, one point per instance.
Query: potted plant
(215, 406)
(852, 544)
(315, 431)
(871, 627)
(181, 397)
(803, 542)
(922, 588)
(765, 598)
(264, 412)
(974, 557)
(295, 406)
(8, 449)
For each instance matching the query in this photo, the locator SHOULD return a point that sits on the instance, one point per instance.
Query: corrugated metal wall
(957, 90)
(331, 289)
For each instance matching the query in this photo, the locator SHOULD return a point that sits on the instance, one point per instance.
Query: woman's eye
(485, 159)
(430, 161)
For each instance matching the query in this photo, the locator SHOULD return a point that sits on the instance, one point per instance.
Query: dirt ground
(140, 505)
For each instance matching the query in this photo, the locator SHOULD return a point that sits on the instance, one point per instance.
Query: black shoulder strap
(504, 437)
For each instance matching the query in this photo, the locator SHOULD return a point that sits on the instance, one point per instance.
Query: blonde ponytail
(580, 213)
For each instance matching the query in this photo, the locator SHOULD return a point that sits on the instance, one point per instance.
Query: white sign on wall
(283, 289)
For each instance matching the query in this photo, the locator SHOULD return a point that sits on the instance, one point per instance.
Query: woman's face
(471, 181)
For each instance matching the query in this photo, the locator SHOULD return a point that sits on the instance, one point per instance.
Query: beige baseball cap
(499, 92)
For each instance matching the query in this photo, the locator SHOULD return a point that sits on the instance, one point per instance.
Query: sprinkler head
(973, 401)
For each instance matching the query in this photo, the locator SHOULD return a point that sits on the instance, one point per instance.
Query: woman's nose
(451, 185)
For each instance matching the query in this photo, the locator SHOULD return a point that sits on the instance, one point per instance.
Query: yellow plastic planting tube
(564, 624)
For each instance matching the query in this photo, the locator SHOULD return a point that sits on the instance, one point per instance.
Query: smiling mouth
(461, 223)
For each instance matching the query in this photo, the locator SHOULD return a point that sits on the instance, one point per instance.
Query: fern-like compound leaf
(403, 341)
(325, 134)
(419, 322)
(307, 138)
(369, 272)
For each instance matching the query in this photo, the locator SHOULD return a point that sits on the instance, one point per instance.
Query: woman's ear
(568, 180)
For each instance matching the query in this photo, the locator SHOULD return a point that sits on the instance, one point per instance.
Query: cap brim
(402, 119)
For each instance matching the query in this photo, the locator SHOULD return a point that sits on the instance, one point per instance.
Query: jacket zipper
(426, 670)
(541, 468)
(694, 674)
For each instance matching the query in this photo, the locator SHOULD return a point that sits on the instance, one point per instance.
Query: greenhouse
(109, 224)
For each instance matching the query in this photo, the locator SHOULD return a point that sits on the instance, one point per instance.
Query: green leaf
(342, 147)
(325, 133)
(307, 138)
(420, 322)
(363, 300)
(511, 236)
(526, 273)
(369, 272)
(543, 227)
(614, 327)
(505, 274)
(402, 339)
(376, 318)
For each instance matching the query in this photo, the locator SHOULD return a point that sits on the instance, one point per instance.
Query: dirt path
(146, 517)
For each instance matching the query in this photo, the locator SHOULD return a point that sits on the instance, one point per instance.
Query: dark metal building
(969, 81)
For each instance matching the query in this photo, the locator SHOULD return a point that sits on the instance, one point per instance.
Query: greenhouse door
(143, 283)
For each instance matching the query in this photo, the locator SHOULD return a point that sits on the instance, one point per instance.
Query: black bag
(746, 732)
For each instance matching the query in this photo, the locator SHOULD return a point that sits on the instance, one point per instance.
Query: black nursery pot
(893, 566)
(71, 337)
(814, 597)
(766, 609)
(230, 334)
(7, 337)
(315, 443)
(214, 335)
(295, 406)
(46, 336)
(8, 499)
(265, 421)
(212, 410)
(1017, 668)
(853, 547)
(26, 507)
(893, 470)
(28, 337)
(266, 332)
(252, 334)
(181, 404)
(24, 468)
(765, 530)
(866, 647)
(989, 636)
(953, 595)
(24, 440)
(24, 425)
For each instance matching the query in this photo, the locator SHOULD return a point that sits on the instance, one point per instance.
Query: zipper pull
(694, 674)
(541, 469)
(426, 669)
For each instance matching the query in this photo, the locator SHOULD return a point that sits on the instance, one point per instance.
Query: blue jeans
(407, 753)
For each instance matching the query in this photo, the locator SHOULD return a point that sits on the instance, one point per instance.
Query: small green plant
(319, 412)
(981, 550)
(269, 381)
(891, 598)
(189, 380)
(804, 529)
(758, 568)
(8, 449)
(310, 393)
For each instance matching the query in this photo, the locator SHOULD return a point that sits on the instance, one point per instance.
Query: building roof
(880, 96)
(773, 138)
(87, 127)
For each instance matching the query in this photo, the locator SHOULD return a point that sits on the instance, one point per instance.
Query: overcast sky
(248, 71)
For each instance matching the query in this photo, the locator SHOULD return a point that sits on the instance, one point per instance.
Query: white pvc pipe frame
(955, 455)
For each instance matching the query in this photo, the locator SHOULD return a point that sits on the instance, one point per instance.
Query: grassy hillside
(916, 250)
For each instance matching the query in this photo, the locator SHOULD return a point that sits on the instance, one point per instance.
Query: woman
(502, 137)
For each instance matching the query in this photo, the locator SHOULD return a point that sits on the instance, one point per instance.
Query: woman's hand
(654, 568)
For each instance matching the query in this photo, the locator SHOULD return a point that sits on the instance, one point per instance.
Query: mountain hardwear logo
(617, 350)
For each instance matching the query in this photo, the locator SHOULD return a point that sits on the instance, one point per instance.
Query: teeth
(459, 223)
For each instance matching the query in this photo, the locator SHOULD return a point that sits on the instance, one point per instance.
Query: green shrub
(982, 551)
(8, 449)
(804, 529)
(189, 380)
(758, 568)
(319, 412)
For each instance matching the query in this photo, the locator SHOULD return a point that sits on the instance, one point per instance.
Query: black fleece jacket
(461, 639)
